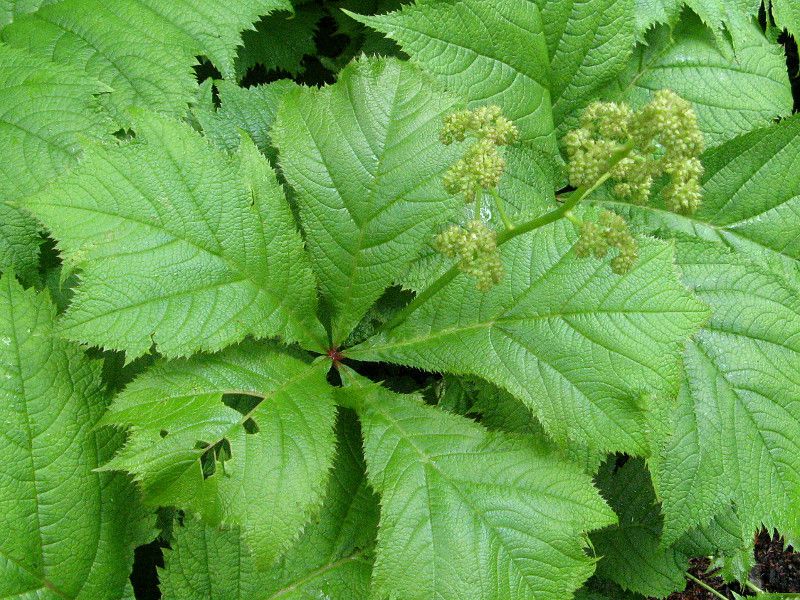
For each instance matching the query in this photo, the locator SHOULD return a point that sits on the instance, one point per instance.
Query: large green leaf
(11, 9)
(743, 206)
(47, 109)
(332, 559)
(180, 245)
(67, 531)
(590, 42)
(787, 16)
(731, 94)
(259, 461)
(489, 52)
(143, 49)
(586, 349)
(365, 159)
(738, 424)
(467, 513)
(631, 551)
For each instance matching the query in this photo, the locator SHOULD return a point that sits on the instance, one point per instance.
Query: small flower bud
(610, 231)
(475, 247)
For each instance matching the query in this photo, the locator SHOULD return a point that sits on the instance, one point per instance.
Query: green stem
(498, 201)
(754, 587)
(705, 586)
(509, 234)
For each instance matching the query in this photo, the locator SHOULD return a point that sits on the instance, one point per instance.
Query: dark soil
(777, 570)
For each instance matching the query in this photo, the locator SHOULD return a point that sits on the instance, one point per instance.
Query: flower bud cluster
(610, 231)
(482, 165)
(475, 247)
(662, 138)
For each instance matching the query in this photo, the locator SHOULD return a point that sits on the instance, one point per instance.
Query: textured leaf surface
(366, 162)
(279, 443)
(142, 49)
(731, 95)
(11, 9)
(331, 559)
(252, 110)
(46, 109)
(740, 398)
(787, 16)
(487, 51)
(650, 12)
(180, 245)
(589, 42)
(67, 531)
(631, 552)
(466, 513)
(743, 205)
(280, 41)
(584, 348)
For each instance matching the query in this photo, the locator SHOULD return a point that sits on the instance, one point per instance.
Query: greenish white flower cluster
(482, 165)
(475, 245)
(610, 231)
(662, 138)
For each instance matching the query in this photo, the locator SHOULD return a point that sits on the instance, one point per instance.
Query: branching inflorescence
(631, 149)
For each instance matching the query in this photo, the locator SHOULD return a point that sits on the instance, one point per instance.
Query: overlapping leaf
(180, 245)
(67, 531)
(739, 419)
(366, 162)
(587, 350)
(46, 110)
(143, 49)
(589, 42)
(731, 95)
(466, 513)
(489, 52)
(331, 560)
(270, 454)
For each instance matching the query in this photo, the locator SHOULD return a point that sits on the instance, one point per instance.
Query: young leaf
(466, 513)
(181, 246)
(474, 48)
(262, 467)
(632, 555)
(142, 49)
(67, 531)
(330, 560)
(590, 42)
(583, 347)
(740, 399)
(365, 159)
(730, 97)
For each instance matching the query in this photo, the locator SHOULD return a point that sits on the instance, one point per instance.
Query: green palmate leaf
(47, 109)
(68, 531)
(330, 560)
(742, 206)
(258, 461)
(474, 48)
(590, 42)
(731, 96)
(180, 245)
(587, 350)
(632, 555)
(251, 110)
(142, 49)
(739, 400)
(366, 162)
(280, 41)
(466, 513)
(787, 16)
